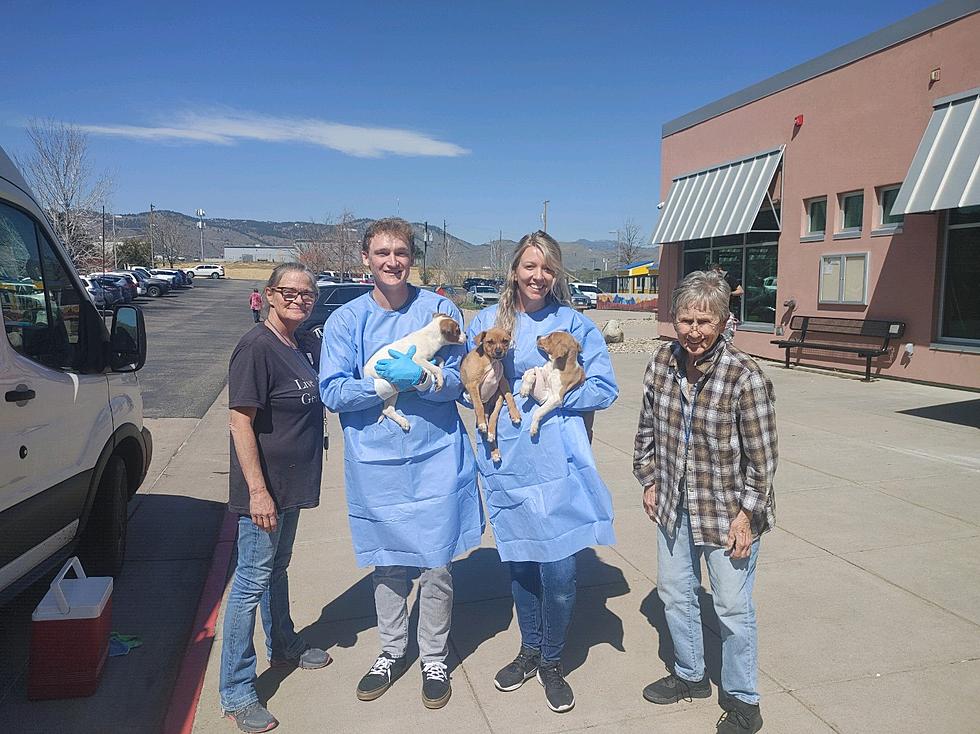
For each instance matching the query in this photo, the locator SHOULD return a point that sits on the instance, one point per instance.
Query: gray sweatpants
(392, 585)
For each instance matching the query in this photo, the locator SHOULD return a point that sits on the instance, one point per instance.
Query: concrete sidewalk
(867, 592)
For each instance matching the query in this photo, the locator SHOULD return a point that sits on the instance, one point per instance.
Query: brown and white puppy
(549, 383)
(442, 331)
(482, 373)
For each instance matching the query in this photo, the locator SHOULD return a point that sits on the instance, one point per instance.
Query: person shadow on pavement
(653, 609)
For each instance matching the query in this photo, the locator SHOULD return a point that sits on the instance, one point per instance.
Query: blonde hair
(510, 297)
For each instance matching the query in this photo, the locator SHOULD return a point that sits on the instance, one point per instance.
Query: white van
(73, 449)
(591, 290)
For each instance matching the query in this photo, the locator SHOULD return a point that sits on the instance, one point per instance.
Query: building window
(750, 260)
(960, 314)
(843, 278)
(852, 211)
(816, 216)
(886, 199)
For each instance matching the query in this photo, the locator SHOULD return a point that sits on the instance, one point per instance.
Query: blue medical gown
(545, 498)
(412, 497)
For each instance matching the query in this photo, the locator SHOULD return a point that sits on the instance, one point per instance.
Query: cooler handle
(59, 595)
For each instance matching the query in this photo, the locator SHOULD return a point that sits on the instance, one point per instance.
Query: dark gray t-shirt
(281, 383)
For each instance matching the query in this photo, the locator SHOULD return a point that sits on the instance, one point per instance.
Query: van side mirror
(127, 339)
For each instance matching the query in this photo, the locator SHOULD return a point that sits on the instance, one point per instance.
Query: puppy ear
(479, 338)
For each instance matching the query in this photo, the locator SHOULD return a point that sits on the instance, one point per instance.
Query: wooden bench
(867, 338)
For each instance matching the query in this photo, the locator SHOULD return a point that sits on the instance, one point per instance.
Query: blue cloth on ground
(412, 497)
(400, 370)
(545, 498)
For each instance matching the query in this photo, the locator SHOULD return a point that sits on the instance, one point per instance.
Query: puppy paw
(534, 430)
(515, 418)
(491, 437)
(495, 456)
(481, 427)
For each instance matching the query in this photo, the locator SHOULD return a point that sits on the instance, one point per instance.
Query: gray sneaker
(312, 658)
(671, 689)
(512, 676)
(254, 718)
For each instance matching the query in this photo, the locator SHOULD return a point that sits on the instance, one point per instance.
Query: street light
(200, 225)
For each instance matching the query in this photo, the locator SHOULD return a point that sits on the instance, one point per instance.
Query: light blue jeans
(678, 581)
(260, 581)
(544, 597)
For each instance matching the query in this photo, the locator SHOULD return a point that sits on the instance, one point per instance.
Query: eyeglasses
(291, 294)
(701, 325)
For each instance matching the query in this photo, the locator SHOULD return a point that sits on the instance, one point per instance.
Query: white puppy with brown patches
(442, 331)
(548, 383)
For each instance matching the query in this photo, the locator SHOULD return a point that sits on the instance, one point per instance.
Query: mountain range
(580, 254)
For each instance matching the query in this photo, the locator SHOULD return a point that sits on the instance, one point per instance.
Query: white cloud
(225, 128)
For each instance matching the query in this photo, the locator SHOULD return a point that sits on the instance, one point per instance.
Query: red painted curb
(190, 678)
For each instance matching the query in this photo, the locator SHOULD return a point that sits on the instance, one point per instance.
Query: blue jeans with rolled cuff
(260, 582)
(732, 580)
(544, 597)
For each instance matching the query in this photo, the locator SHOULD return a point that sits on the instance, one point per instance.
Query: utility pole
(425, 251)
(544, 215)
(151, 235)
(200, 226)
(103, 238)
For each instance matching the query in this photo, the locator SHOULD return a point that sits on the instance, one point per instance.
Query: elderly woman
(705, 454)
(276, 457)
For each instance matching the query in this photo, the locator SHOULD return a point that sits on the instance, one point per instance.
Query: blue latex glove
(401, 370)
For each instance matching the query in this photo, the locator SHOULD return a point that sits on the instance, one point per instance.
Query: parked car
(136, 285)
(331, 297)
(207, 270)
(579, 299)
(483, 295)
(169, 279)
(154, 287)
(73, 449)
(117, 286)
(470, 282)
(589, 289)
(180, 279)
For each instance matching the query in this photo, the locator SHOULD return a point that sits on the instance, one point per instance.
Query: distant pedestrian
(276, 422)
(255, 303)
(705, 454)
(734, 300)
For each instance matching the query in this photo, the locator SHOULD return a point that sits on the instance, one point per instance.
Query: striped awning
(717, 201)
(945, 172)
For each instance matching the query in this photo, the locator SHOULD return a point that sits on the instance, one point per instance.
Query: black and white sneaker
(436, 689)
(556, 688)
(512, 676)
(379, 678)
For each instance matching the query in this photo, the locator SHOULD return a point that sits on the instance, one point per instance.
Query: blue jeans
(544, 596)
(678, 581)
(260, 581)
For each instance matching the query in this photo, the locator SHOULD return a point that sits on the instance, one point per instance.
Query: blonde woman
(545, 498)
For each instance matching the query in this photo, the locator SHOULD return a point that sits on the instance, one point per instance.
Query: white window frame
(810, 232)
(841, 199)
(880, 225)
(842, 258)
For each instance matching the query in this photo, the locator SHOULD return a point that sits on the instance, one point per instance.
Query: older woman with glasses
(705, 453)
(276, 460)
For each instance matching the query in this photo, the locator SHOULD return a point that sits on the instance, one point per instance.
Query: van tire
(214, 276)
(103, 545)
(154, 290)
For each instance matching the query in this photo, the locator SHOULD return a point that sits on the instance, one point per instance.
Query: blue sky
(472, 112)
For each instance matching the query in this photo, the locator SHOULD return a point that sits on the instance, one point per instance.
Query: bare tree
(60, 171)
(345, 243)
(630, 242)
(315, 249)
(498, 258)
(449, 259)
(172, 244)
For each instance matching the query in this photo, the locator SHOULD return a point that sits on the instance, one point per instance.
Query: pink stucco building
(848, 186)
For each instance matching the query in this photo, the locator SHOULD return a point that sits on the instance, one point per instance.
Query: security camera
(661, 205)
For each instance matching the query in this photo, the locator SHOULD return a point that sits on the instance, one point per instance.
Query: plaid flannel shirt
(733, 449)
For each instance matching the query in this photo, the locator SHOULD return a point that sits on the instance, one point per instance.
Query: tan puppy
(438, 333)
(549, 383)
(482, 374)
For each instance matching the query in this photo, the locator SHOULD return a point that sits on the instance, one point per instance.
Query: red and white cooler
(70, 635)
